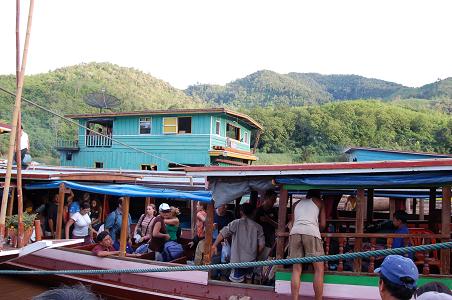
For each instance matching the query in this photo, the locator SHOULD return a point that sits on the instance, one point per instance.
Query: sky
(218, 41)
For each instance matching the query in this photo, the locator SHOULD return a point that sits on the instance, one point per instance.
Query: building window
(233, 132)
(68, 155)
(99, 165)
(217, 127)
(148, 167)
(169, 125)
(145, 125)
(245, 137)
(184, 125)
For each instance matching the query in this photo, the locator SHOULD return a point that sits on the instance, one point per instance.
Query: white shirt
(81, 224)
(306, 219)
(23, 140)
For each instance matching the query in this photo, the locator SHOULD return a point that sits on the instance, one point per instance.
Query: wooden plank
(59, 222)
(445, 229)
(280, 242)
(209, 233)
(124, 226)
(431, 210)
(359, 225)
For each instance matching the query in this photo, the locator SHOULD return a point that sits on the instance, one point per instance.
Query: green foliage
(28, 220)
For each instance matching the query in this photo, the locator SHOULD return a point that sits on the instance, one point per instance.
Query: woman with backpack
(142, 232)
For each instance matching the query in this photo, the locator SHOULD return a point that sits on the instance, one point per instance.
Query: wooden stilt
(445, 230)
(124, 226)
(59, 222)
(12, 137)
(282, 213)
(11, 202)
(207, 258)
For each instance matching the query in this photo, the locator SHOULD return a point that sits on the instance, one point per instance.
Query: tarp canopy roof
(377, 180)
(126, 190)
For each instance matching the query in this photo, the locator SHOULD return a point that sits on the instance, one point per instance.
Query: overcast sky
(217, 41)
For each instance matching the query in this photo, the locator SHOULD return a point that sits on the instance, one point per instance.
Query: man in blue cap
(398, 276)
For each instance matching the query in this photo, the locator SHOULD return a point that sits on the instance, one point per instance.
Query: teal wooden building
(164, 139)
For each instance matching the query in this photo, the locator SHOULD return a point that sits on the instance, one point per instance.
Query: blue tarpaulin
(125, 190)
(413, 179)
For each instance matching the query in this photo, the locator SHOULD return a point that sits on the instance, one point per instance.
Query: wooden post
(124, 226)
(414, 206)
(13, 132)
(38, 232)
(370, 206)
(207, 258)
(11, 202)
(392, 207)
(421, 209)
(359, 225)
(431, 209)
(59, 222)
(193, 218)
(283, 196)
(445, 230)
(104, 208)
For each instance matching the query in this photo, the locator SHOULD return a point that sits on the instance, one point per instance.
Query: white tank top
(306, 219)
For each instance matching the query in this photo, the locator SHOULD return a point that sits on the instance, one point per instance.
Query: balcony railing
(67, 145)
(98, 140)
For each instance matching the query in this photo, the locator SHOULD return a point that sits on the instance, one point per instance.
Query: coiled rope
(287, 261)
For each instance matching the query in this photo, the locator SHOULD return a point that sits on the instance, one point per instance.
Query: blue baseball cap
(396, 267)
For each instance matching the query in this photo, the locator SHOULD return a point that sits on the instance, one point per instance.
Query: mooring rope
(287, 261)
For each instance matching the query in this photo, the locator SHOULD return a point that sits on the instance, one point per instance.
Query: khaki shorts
(301, 245)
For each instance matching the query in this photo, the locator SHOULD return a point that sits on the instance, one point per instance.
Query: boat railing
(97, 140)
(428, 262)
(67, 144)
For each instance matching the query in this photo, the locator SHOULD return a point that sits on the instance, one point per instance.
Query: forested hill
(63, 91)
(266, 88)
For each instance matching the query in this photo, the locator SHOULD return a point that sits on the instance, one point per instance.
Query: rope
(89, 129)
(287, 261)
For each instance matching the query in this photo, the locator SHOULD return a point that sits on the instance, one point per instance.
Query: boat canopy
(376, 180)
(125, 190)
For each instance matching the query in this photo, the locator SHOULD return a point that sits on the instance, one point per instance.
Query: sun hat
(164, 207)
(396, 267)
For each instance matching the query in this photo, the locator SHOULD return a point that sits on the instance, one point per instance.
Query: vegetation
(307, 117)
(28, 220)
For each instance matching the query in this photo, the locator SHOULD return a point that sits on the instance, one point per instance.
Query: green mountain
(63, 91)
(268, 88)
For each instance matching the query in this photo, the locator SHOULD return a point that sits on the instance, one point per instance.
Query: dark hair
(434, 286)
(85, 205)
(76, 292)
(399, 291)
(247, 209)
(100, 237)
(203, 204)
(270, 194)
(313, 194)
(401, 215)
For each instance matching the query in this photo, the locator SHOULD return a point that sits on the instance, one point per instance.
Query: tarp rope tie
(287, 261)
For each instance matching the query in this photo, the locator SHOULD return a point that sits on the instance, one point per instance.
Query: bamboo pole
(124, 226)
(12, 137)
(59, 222)
(209, 233)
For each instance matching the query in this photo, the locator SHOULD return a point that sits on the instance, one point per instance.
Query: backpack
(172, 250)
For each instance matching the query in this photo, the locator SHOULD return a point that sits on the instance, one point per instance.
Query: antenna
(102, 100)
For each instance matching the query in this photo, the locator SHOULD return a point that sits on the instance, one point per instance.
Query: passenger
(116, 243)
(398, 276)
(172, 224)
(82, 225)
(113, 222)
(433, 291)
(104, 245)
(96, 214)
(248, 241)
(159, 234)
(73, 206)
(75, 292)
(399, 222)
(201, 216)
(267, 217)
(305, 240)
(142, 232)
(222, 218)
(51, 217)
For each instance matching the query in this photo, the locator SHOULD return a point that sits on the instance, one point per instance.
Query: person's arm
(71, 195)
(68, 225)
(52, 228)
(219, 239)
(140, 220)
(109, 222)
(157, 234)
(267, 219)
(260, 240)
(172, 221)
(322, 217)
(201, 217)
(107, 253)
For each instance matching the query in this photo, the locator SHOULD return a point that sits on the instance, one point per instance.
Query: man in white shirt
(24, 146)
